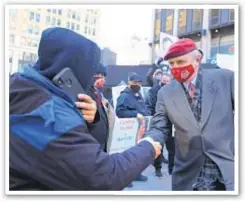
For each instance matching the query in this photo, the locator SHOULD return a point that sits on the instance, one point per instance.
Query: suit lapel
(181, 102)
(209, 90)
(101, 109)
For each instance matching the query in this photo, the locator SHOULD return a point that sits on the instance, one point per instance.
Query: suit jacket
(100, 129)
(212, 136)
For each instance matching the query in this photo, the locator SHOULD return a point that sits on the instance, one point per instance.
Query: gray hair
(195, 53)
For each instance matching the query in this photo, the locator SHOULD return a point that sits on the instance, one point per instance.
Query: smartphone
(67, 81)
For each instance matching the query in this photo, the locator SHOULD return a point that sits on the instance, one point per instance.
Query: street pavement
(153, 183)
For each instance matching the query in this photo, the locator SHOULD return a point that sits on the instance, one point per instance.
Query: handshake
(157, 146)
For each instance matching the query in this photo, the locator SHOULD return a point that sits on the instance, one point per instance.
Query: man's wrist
(149, 139)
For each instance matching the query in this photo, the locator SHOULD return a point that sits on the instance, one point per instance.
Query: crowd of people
(57, 143)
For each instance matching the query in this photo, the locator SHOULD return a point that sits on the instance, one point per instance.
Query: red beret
(180, 47)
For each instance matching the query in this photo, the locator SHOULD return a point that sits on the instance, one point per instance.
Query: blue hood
(60, 48)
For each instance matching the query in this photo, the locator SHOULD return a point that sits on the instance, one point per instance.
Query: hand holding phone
(88, 107)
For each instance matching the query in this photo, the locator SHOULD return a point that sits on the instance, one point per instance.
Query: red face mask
(100, 83)
(182, 74)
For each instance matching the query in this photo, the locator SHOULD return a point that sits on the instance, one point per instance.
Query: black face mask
(135, 88)
(162, 84)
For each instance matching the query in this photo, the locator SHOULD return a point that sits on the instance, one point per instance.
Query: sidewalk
(154, 183)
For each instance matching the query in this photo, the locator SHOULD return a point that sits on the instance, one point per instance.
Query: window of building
(37, 17)
(93, 32)
(33, 57)
(29, 42)
(85, 30)
(31, 15)
(223, 45)
(10, 54)
(78, 16)
(94, 21)
(48, 19)
(157, 26)
(229, 39)
(36, 31)
(215, 12)
(72, 26)
(60, 12)
(54, 11)
(58, 22)
(13, 25)
(11, 38)
(78, 27)
(27, 56)
(34, 43)
(215, 16)
(232, 15)
(23, 41)
(197, 19)
(158, 14)
(49, 10)
(86, 19)
(69, 13)
(74, 15)
(30, 29)
(20, 55)
(68, 25)
(13, 14)
(54, 21)
(26, 15)
(24, 28)
(182, 20)
(169, 20)
(89, 32)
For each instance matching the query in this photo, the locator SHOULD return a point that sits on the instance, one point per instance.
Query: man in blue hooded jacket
(50, 147)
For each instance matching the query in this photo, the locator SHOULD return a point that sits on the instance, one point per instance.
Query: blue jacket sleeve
(76, 162)
(123, 109)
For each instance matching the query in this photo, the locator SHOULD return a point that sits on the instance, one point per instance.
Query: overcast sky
(119, 24)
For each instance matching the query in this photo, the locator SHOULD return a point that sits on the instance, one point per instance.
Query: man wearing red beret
(200, 104)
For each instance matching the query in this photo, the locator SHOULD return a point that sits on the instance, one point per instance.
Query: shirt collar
(193, 81)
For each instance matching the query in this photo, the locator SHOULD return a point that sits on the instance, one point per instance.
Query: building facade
(108, 57)
(211, 29)
(26, 26)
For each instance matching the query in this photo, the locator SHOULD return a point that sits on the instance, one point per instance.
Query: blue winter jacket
(50, 147)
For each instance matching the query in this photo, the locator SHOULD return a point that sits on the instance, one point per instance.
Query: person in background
(200, 104)
(130, 104)
(105, 116)
(154, 67)
(50, 146)
(160, 79)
